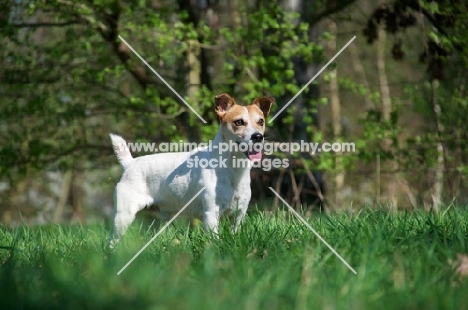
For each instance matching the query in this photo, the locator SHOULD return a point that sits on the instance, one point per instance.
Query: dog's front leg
(211, 221)
(241, 207)
(239, 216)
(211, 212)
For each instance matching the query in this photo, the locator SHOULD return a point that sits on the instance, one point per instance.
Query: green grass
(401, 261)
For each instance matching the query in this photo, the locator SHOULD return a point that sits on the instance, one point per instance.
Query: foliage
(82, 82)
(70, 79)
(443, 28)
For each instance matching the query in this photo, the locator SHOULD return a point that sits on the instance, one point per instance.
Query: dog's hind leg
(127, 203)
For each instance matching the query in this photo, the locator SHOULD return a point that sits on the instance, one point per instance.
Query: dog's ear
(264, 103)
(223, 103)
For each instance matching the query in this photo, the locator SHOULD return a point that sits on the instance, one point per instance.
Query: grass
(401, 259)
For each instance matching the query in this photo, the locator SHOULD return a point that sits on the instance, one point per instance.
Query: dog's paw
(112, 243)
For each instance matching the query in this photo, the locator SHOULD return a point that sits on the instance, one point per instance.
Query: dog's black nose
(257, 137)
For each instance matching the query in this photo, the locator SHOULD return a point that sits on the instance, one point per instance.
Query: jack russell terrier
(166, 182)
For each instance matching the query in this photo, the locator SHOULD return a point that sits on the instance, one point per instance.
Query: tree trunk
(77, 197)
(439, 175)
(386, 109)
(194, 82)
(63, 196)
(303, 104)
(335, 106)
(360, 72)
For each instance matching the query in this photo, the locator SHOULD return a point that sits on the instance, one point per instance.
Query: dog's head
(243, 124)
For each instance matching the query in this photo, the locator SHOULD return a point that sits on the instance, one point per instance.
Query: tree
(444, 29)
(83, 81)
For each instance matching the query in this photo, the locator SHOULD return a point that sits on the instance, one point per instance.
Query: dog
(167, 181)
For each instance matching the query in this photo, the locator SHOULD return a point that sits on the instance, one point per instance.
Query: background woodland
(398, 92)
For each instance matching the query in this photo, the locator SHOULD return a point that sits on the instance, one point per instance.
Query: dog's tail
(121, 150)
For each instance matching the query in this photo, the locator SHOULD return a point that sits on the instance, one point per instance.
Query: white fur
(164, 180)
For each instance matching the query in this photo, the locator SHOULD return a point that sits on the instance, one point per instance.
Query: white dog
(167, 181)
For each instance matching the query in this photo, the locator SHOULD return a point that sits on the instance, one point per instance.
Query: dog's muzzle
(253, 154)
(256, 137)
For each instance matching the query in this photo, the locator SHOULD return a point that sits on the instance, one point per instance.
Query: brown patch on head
(243, 121)
(243, 124)
(235, 123)
(264, 104)
(257, 116)
(234, 113)
(224, 103)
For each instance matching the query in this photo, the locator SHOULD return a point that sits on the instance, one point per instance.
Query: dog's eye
(239, 122)
(261, 122)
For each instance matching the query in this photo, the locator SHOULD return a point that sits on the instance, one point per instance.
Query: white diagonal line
(310, 227)
(161, 78)
(160, 231)
(312, 79)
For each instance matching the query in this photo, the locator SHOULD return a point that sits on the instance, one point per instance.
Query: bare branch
(313, 19)
(47, 24)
